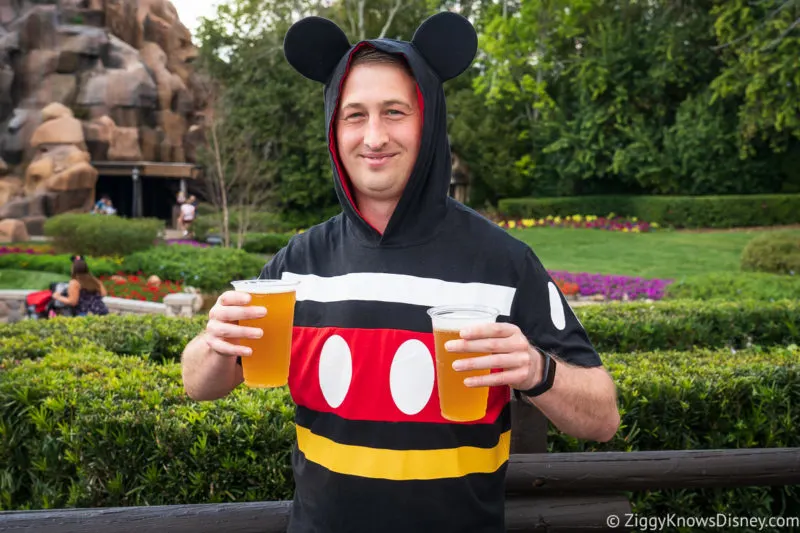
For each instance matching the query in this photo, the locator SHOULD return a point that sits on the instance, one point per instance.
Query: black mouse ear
(314, 46)
(448, 41)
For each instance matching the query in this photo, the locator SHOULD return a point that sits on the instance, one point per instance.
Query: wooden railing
(545, 491)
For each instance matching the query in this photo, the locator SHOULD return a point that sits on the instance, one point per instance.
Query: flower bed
(610, 287)
(608, 223)
(32, 249)
(139, 288)
(189, 242)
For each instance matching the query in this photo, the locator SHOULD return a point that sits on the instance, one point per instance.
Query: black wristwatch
(548, 377)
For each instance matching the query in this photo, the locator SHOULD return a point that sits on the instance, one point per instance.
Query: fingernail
(449, 345)
(458, 365)
(263, 311)
(469, 382)
(248, 351)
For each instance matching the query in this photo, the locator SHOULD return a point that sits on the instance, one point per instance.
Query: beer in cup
(268, 366)
(458, 402)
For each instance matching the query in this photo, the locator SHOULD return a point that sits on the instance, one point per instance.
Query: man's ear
(448, 42)
(314, 46)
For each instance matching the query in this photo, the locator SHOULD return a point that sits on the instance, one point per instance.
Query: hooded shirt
(373, 452)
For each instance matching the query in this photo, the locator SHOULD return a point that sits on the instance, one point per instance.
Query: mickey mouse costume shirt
(373, 454)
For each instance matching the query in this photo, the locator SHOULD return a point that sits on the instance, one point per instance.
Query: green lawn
(665, 254)
(28, 279)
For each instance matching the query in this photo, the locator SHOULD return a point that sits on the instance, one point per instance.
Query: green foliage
(683, 325)
(266, 243)
(155, 337)
(705, 399)
(204, 268)
(101, 235)
(96, 429)
(89, 428)
(735, 286)
(58, 264)
(620, 327)
(640, 98)
(675, 211)
(777, 253)
(759, 46)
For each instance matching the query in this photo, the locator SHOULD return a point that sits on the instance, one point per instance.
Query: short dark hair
(370, 55)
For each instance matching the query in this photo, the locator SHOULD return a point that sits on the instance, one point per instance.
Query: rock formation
(89, 80)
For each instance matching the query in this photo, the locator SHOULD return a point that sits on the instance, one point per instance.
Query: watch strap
(548, 377)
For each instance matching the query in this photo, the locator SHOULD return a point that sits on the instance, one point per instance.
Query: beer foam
(265, 286)
(455, 319)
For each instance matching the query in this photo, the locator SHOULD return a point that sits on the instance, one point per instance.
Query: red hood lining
(345, 180)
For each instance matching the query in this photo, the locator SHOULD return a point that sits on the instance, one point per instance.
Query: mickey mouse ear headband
(447, 41)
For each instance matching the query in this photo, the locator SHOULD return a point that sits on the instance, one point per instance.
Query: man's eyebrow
(357, 105)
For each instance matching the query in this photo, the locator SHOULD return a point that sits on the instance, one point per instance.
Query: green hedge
(95, 429)
(101, 234)
(618, 327)
(671, 211)
(91, 428)
(58, 264)
(208, 269)
(266, 243)
(778, 253)
(155, 337)
(735, 286)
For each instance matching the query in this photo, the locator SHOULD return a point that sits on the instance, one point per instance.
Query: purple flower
(614, 287)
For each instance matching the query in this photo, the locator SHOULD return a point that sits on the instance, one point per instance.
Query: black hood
(441, 49)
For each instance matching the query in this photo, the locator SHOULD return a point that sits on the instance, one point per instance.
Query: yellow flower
(635, 230)
(577, 218)
(527, 222)
(654, 225)
(549, 217)
(625, 230)
(512, 224)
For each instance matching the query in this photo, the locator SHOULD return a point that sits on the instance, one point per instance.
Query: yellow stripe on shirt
(402, 465)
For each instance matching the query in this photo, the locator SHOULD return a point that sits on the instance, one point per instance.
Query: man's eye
(353, 115)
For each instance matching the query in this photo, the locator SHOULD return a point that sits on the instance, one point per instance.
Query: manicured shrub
(673, 211)
(205, 268)
(619, 327)
(266, 243)
(735, 286)
(155, 337)
(778, 253)
(90, 428)
(58, 264)
(102, 235)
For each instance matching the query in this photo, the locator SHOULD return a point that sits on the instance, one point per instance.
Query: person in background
(85, 292)
(188, 211)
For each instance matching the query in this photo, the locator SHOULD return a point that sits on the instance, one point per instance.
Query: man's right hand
(223, 329)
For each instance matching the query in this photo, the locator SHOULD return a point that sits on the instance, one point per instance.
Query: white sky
(190, 11)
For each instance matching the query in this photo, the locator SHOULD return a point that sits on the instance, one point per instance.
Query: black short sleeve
(543, 314)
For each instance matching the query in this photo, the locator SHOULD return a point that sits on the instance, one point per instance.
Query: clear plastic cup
(268, 366)
(458, 402)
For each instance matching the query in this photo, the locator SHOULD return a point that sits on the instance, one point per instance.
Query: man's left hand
(508, 350)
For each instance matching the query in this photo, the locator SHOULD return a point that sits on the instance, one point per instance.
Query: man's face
(378, 130)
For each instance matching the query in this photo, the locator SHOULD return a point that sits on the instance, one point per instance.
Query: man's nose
(375, 137)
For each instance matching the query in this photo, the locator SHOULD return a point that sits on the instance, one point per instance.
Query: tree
(238, 175)
(759, 43)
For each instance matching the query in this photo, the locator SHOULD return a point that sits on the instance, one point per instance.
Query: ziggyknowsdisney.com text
(720, 520)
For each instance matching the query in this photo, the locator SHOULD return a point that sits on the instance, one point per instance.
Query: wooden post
(528, 428)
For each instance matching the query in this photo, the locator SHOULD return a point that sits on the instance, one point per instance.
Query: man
(373, 452)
